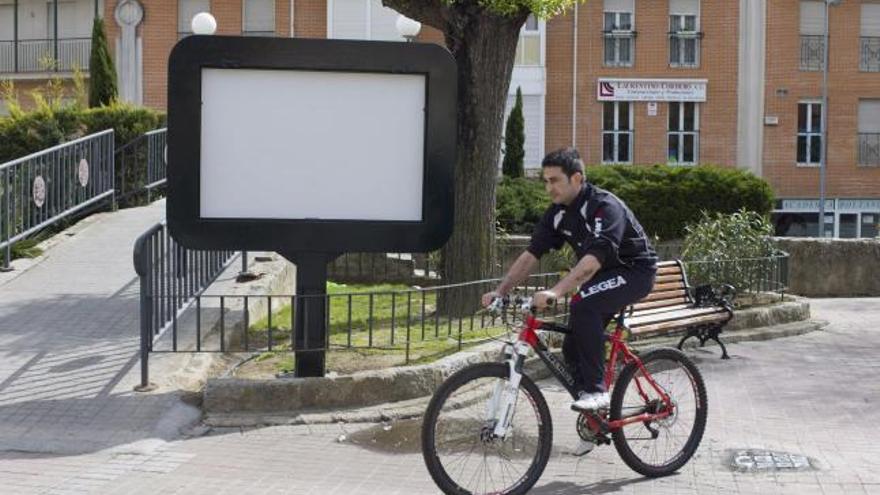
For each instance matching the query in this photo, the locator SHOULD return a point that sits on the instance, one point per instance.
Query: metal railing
(172, 278)
(869, 59)
(748, 275)
(141, 167)
(812, 52)
(40, 55)
(869, 149)
(40, 189)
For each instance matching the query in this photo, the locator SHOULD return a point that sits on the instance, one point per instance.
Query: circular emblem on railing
(83, 172)
(39, 191)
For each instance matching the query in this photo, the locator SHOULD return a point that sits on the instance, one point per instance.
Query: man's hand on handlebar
(543, 299)
(489, 297)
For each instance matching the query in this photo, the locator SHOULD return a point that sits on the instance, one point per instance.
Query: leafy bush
(730, 249)
(664, 198)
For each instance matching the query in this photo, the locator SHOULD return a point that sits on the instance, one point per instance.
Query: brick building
(686, 82)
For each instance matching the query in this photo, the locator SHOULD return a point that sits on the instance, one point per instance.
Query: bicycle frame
(529, 336)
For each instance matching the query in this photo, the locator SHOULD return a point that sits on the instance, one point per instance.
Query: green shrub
(102, 72)
(23, 133)
(730, 249)
(664, 198)
(515, 140)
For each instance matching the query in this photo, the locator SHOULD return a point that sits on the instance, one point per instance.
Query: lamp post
(407, 27)
(204, 23)
(823, 162)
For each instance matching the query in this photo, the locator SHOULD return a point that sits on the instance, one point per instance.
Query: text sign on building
(300, 145)
(609, 89)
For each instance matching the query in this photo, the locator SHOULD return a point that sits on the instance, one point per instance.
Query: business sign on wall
(651, 89)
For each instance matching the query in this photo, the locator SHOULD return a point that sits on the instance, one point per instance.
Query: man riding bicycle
(616, 266)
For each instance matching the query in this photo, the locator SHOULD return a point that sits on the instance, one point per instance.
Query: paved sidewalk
(68, 346)
(814, 395)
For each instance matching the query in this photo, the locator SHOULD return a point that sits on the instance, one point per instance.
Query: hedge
(23, 133)
(665, 198)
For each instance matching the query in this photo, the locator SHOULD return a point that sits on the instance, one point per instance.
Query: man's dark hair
(568, 159)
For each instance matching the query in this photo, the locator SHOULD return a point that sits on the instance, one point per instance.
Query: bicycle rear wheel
(661, 447)
(458, 447)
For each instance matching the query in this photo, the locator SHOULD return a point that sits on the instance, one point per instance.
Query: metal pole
(823, 162)
(15, 33)
(55, 36)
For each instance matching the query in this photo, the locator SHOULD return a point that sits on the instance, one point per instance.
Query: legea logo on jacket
(612, 283)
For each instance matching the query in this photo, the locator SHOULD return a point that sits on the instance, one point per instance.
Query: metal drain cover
(758, 460)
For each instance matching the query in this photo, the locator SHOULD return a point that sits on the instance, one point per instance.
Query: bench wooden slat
(666, 264)
(668, 286)
(682, 304)
(678, 315)
(673, 301)
(669, 270)
(659, 327)
(668, 294)
(662, 279)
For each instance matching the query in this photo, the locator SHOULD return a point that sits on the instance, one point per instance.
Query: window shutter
(684, 7)
(812, 18)
(869, 116)
(259, 15)
(871, 19)
(350, 19)
(618, 5)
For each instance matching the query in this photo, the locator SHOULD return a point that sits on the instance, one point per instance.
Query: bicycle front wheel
(661, 447)
(460, 451)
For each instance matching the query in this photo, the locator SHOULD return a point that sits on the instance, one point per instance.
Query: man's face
(562, 189)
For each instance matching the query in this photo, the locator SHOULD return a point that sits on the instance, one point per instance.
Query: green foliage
(515, 140)
(102, 73)
(717, 236)
(519, 204)
(50, 124)
(541, 8)
(664, 198)
(733, 249)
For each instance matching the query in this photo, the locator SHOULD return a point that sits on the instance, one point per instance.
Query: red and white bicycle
(488, 430)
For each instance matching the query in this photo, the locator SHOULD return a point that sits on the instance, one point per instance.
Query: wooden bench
(673, 306)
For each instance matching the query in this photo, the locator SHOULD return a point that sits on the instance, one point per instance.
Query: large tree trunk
(484, 47)
(484, 51)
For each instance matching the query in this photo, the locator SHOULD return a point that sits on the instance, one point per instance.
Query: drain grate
(758, 460)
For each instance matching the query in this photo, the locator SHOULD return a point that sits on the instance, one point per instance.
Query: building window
(618, 33)
(812, 35)
(528, 50)
(684, 33)
(869, 133)
(869, 53)
(809, 138)
(361, 20)
(258, 18)
(684, 133)
(617, 132)
(186, 10)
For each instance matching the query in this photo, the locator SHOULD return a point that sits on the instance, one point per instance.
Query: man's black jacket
(597, 222)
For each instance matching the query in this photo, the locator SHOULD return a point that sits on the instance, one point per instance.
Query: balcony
(39, 36)
(812, 52)
(46, 55)
(869, 54)
(869, 149)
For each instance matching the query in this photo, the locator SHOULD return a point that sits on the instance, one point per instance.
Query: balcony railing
(619, 48)
(812, 52)
(870, 54)
(40, 55)
(869, 149)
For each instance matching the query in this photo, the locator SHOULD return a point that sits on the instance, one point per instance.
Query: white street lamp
(204, 23)
(407, 27)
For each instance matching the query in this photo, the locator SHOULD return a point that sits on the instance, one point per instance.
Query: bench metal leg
(704, 334)
(688, 335)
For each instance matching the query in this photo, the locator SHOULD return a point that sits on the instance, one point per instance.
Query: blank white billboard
(298, 144)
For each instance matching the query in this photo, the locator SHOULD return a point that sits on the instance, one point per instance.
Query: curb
(403, 392)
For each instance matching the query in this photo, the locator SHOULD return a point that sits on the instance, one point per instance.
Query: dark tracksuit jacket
(598, 223)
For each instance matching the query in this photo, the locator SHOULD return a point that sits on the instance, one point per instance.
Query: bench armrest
(708, 295)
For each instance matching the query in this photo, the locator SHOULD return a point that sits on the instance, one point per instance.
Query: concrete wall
(833, 268)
